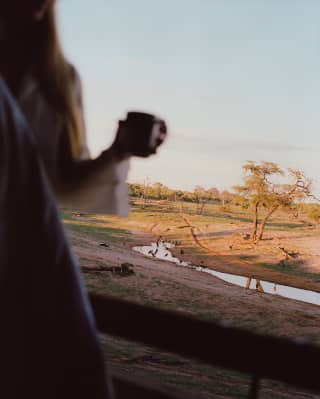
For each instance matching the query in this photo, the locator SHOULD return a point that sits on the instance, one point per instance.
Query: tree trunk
(255, 222)
(201, 208)
(144, 197)
(264, 221)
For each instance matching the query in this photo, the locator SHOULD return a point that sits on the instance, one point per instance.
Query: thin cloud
(242, 143)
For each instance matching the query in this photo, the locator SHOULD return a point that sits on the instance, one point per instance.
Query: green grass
(293, 269)
(95, 229)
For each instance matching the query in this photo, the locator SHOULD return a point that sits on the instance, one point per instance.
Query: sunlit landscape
(214, 236)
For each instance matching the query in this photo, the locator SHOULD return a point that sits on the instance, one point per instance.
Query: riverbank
(163, 250)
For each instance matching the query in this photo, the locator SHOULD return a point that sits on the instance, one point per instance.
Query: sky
(235, 81)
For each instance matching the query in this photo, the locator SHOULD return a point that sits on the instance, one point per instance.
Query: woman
(50, 347)
(49, 343)
(48, 340)
(48, 90)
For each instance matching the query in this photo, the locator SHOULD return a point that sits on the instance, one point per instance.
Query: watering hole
(161, 250)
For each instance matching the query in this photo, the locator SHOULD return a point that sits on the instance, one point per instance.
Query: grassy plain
(216, 239)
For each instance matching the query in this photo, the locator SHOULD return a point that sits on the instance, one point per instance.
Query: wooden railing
(288, 361)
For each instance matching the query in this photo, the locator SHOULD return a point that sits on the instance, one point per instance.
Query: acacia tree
(255, 187)
(261, 190)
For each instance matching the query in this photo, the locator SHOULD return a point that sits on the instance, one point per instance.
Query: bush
(313, 213)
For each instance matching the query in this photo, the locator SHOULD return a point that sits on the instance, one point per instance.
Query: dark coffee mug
(144, 133)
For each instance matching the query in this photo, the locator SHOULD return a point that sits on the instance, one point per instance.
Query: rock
(126, 269)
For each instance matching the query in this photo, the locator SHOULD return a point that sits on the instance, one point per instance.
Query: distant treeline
(159, 191)
(201, 196)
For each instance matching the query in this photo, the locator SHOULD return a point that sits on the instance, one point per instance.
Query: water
(161, 250)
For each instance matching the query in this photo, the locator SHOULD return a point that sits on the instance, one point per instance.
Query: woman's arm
(97, 185)
(72, 173)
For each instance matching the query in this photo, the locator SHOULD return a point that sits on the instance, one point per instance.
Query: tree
(135, 190)
(156, 190)
(146, 185)
(225, 197)
(285, 195)
(214, 194)
(201, 197)
(261, 189)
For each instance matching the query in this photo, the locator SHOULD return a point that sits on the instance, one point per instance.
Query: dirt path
(195, 237)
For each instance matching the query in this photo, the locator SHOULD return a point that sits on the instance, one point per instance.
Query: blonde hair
(57, 78)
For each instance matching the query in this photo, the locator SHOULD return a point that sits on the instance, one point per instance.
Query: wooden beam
(132, 388)
(275, 358)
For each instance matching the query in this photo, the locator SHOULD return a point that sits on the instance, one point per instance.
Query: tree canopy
(267, 186)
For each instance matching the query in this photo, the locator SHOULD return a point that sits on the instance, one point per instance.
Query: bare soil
(163, 284)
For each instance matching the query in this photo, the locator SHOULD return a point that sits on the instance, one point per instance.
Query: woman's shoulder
(31, 86)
